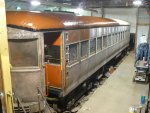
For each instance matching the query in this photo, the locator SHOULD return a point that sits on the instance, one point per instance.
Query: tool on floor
(135, 109)
(142, 72)
(142, 62)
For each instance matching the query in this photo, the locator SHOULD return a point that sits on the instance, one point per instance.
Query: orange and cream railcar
(60, 51)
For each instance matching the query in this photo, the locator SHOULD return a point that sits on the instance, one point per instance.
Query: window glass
(119, 36)
(122, 35)
(93, 32)
(109, 40)
(84, 49)
(113, 30)
(92, 46)
(116, 29)
(112, 35)
(99, 43)
(113, 38)
(104, 41)
(110, 30)
(52, 53)
(126, 34)
(99, 32)
(23, 52)
(104, 30)
(73, 53)
(116, 38)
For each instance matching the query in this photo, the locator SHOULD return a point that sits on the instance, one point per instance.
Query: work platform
(118, 93)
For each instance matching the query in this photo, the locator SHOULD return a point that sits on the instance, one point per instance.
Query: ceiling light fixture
(137, 2)
(35, 3)
(78, 10)
(18, 8)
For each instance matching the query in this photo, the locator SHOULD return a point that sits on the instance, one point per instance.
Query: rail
(19, 104)
(41, 94)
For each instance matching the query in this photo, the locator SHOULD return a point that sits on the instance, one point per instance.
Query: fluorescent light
(30, 24)
(35, 3)
(78, 10)
(18, 8)
(137, 2)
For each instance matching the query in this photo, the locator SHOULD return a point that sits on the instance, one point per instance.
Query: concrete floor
(118, 93)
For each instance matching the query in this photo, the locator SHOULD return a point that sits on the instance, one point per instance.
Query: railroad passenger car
(60, 52)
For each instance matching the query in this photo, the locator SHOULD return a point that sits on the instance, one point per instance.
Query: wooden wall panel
(73, 36)
(85, 34)
(78, 35)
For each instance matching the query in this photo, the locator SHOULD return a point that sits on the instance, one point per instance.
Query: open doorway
(52, 47)
(52, 55)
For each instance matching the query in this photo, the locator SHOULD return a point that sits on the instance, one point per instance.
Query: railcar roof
(52, 21)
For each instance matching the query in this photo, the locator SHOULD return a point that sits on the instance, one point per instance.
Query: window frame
(38, 54)
(101, 42)
(93, 52)
(87, 54)
(77, 54)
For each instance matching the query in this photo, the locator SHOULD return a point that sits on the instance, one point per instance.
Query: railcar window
(84, 49)
(117, 35)
(116, 38)
(23, 52)
(109, 40)
(73, 53)
(93, 32)
(113, 30)
(120, 36)
(52, 54)
(109, 30)
(113, 38)
(92, 46)
(104, 31)
(126, 33)
(99, 32)
(104, 41)
(123, 35)
(99, 43)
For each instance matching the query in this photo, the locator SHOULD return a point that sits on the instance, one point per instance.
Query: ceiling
(97, 3)
(56, 5)
(93, 3)
(104, 3)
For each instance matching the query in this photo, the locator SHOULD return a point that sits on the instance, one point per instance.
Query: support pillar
(5, 77)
